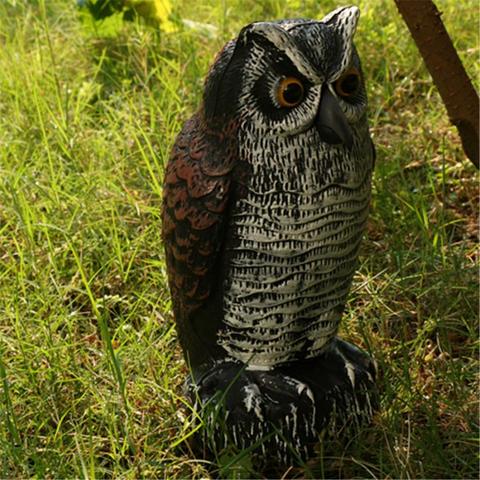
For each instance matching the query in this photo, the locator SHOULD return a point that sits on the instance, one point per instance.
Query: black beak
(331, 123)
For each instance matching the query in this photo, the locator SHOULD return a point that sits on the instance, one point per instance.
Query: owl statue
(266, 197)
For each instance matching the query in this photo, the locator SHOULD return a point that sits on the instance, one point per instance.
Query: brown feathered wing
(197, 188)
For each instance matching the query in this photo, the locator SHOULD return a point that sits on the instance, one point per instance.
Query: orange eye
(349, 83)
(290, 92)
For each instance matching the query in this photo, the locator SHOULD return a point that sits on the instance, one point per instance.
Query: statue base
(280, 414)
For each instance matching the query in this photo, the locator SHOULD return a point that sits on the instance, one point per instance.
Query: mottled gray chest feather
(296, 235)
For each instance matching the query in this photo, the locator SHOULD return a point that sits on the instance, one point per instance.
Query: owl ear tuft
(271, 32)
(344, 21)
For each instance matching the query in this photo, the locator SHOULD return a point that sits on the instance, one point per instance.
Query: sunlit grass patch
(91, 373)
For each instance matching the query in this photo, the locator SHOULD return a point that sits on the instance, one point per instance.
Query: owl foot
(280, 414)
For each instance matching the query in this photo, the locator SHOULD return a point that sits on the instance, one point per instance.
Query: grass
(90, 369)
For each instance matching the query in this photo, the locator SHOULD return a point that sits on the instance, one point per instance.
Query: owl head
(289, 77)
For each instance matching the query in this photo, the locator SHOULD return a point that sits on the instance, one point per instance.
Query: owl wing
(197, 187)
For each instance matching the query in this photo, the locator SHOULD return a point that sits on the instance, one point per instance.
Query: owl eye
(290, 92)
(348, 84)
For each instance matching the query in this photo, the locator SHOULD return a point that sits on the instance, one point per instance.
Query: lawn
(90, 368)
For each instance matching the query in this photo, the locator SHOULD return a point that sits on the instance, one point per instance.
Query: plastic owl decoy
(266, 197)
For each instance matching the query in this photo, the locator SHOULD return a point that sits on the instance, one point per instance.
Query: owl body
(297, 232)
(266, 198)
